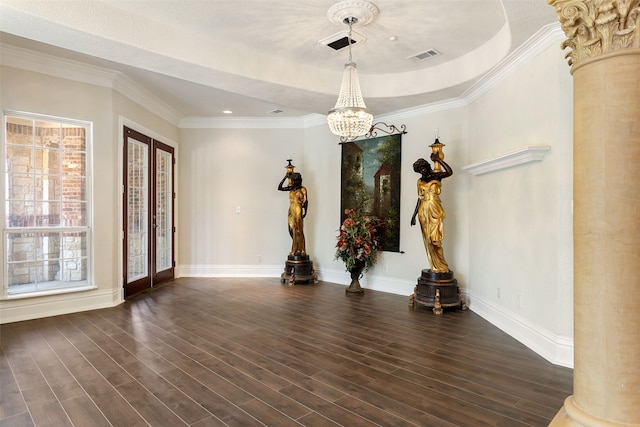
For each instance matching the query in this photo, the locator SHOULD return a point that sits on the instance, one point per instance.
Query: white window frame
(87, 284)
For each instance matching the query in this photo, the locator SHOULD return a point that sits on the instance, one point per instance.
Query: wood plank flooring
(254, 352)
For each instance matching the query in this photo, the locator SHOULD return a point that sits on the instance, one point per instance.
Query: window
(46, 208)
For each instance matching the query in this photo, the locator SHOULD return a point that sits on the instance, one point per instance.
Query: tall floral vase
(356, 273)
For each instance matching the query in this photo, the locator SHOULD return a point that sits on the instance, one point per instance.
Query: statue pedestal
(298, 269)
(437, 290)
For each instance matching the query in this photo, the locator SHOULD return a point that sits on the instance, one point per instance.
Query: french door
(148, 201)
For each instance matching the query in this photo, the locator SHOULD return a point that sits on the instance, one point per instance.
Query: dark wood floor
(254, 352)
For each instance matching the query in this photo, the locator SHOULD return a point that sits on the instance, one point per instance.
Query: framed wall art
(370, 180)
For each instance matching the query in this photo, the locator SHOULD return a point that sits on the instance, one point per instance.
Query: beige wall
(508, 229)
(27, 91)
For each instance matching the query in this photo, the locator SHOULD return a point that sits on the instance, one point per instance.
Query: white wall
(222, 170)
(520, 228)
(508, 230)
(395, 272)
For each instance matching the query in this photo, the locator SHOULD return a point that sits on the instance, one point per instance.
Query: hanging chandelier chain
(350, 21)
(350, 117)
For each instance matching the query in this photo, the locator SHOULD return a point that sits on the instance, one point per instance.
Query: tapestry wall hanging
(370, 178)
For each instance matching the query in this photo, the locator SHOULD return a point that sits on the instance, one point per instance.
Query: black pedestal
(354, 286)
(298, 269)
(437, 290)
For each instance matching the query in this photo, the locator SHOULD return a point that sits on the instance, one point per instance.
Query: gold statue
(297, 209)
(429, 207)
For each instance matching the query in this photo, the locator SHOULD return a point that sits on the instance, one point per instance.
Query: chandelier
(350, 117)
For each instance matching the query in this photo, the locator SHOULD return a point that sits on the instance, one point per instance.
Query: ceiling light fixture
(350, 117)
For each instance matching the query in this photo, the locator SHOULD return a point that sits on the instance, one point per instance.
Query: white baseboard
(328, 275)
(229, 270)
(17, 310)
(368, 281)
(555, 348)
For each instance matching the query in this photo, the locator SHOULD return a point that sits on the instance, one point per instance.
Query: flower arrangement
(358, 239)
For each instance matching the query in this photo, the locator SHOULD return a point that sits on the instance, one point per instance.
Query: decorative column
(604, 37)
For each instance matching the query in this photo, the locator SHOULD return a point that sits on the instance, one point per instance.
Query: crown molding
(20, 58)
(536, 44)
(24, 59)
(447, 104)
(38, 62)
(251, 122)
(136, 93)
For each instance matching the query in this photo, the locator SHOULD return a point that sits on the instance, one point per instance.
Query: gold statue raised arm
(429, 209)
(297, 209)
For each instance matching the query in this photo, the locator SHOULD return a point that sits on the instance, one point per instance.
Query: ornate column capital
(597, 27)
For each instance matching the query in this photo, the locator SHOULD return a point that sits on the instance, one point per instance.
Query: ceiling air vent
(341, 40)
(340, 43)
(429, 53)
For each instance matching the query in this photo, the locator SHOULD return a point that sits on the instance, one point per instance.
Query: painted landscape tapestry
(370, 177)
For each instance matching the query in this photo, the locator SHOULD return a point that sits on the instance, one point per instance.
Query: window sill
(46, 293)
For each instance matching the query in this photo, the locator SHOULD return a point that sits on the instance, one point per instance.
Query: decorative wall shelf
(523, 155)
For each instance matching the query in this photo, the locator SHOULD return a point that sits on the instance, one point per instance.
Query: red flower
(357, 239)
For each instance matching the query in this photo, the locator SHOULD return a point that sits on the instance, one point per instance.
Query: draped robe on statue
(431, 216)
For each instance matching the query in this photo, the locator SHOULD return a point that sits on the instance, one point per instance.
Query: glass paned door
(148, 212)
(138, 210)
(163, 214)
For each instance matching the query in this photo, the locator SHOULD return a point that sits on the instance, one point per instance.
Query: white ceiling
(255, 56)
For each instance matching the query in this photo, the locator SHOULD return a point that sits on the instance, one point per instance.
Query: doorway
(148, 205)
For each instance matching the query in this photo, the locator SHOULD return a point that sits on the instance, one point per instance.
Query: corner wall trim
(555, 348)
(523, 155)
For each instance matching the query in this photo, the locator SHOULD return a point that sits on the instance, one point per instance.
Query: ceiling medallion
(363, 11)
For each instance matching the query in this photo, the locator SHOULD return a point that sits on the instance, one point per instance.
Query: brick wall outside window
(46, 211)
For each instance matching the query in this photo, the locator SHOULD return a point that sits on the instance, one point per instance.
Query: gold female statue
(297, 210)
(429, 210)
